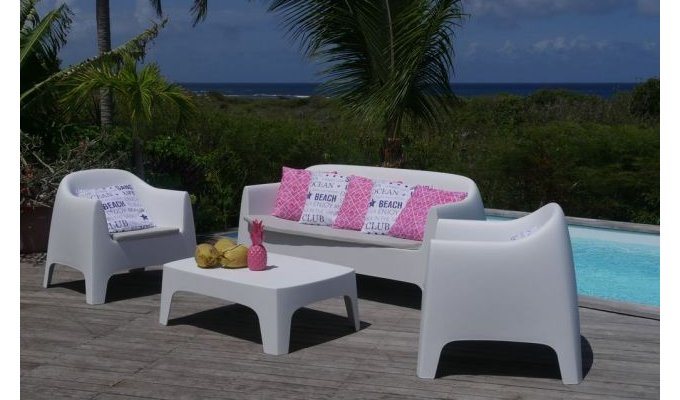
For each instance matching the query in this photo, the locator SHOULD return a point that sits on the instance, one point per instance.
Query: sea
(301, 90)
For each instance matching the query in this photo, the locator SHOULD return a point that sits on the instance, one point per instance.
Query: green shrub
(245, 143)
(646, 100)
(590, 155)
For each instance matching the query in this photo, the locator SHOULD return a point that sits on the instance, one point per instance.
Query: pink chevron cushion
(290, 199)
(410, 223)
(355, 205)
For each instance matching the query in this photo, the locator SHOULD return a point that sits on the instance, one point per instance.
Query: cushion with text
(411, 221)
(355, 204)
(292, 193)
(324, 197)
(122, 209)
(387, 201)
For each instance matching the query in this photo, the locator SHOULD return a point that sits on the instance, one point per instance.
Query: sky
(499, 41)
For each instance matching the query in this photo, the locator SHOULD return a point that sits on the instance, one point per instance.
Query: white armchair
(502, 280)
(79, 236)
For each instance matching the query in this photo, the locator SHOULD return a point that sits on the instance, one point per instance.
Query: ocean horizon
(302, 90)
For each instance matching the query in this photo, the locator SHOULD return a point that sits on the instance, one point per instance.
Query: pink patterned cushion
(355, 205)
(290, 199)
(410, 223)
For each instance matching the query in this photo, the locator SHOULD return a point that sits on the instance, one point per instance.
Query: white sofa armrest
(452, 211)
(168, 208)
(471, 207)
(256, 200)
(77, 222)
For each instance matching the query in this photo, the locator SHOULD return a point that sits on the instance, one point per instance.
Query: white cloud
(516, 9)
(508, 48)
(562, 44)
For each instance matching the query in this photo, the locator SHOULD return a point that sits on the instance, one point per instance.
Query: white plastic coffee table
(274, 294)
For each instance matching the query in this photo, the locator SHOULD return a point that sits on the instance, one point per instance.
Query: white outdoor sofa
(374, 255)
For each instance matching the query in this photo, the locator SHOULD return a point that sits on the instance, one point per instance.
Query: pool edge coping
(588, 222)
(618, 307)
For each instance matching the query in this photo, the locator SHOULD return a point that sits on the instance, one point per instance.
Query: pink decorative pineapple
(257, 254)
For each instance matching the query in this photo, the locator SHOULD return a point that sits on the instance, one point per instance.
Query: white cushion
(387, 201)
(324, 197)
(122, 209)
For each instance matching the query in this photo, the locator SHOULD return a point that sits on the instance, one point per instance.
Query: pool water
(615, 265)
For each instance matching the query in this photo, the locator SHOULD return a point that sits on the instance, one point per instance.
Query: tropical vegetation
(387, 61)
(51, 144)
(141, 93)
(597, 157)
(199, 11)
(594, 156)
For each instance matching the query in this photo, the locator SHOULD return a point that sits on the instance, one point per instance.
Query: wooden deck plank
(212, 350)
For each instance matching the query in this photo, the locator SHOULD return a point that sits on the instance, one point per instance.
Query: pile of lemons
(224, 253)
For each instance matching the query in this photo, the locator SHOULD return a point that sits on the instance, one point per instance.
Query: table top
(282, 272)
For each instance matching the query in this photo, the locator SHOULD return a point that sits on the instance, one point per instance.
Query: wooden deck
(210, 350)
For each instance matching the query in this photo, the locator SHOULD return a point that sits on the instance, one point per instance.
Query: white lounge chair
(79, 236)
(502, 281)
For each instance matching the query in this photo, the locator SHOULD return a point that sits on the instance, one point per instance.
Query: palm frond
(45, 36)
(141, 90)
(199, 10)
(134, 48)
(28, 14)
(157, 6)
(383, 59)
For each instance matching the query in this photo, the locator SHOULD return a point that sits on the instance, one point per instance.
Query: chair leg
(275, 329)
(95, 288)
(166, 301)
(569, 358)
(428, 358)
(49, 270)
(353, 311)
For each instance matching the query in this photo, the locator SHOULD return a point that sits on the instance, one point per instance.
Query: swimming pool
(617, 265)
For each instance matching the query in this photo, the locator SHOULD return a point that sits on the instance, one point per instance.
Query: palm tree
(199, 10)
(142, 91)
(104, 45)
(40, 41)
(43, 167)
(385, 60)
